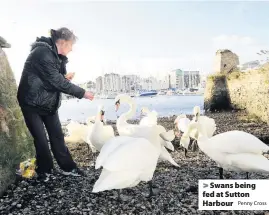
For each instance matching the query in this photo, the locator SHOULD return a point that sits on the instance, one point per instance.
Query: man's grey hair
(63, 34)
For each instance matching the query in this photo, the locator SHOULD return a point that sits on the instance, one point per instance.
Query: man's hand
(70, 76)
(88, 95)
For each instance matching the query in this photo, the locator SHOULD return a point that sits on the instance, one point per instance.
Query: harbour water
(79, 110)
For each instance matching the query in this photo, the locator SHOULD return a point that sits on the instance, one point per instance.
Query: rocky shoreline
(177, 188)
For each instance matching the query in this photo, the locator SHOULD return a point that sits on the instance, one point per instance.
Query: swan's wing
(248, 162)
(151, 133)
(234, 142)
(77, 132)
(138, 154)
(87, 131)
(144, 121)
(164, 135)
(108, 132)
(106, 135)
(148, 120)
(168, 136)
(161, 129)
(209, 125)
(165, 155)
(73, 127)
(167, 144)
(183, 124)
(185, 142)
(109, 147)
(116, 180)
(100, 134)
(72, 139)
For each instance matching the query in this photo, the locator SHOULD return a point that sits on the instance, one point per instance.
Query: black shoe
(75, 172)
(43, 177)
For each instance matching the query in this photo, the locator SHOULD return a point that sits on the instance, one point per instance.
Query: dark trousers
(35, 123)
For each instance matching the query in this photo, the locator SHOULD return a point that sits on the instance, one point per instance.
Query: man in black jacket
(43, 80)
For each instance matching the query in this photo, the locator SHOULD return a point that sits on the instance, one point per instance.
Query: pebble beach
(177, 188)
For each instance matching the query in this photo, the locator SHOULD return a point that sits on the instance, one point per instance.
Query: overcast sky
(145, 38)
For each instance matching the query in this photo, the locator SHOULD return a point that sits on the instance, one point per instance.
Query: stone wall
(250, 91)
(15, 141)
(239, 90)
(225, 61)
(216, 95)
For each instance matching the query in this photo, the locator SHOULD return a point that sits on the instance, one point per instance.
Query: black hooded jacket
(43, 81)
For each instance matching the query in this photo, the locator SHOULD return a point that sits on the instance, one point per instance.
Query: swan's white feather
(166, 156)
(138, 154)
(77, 132)
(109, 147)
(183, 124)
(126, 161)
(234, 142)
(116, 180)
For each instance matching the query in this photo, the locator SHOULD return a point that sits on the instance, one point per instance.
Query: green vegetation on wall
(16, 143)
(246, 90)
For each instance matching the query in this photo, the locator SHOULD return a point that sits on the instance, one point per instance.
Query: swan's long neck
(131, 112)
(97, 122)
(202, 135)
(196, 117)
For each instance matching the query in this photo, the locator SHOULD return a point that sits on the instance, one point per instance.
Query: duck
(99, 133)
(134, 130)
(127, 161)
(232, 150)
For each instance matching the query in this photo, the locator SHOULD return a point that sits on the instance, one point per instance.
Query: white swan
(150, 118)
(144, 131)
(144, 111)
(126, 161)
(205, 120)
(233, 150)
(77, 132)
(182, 121)
(99, 133)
